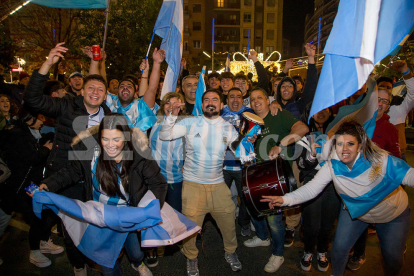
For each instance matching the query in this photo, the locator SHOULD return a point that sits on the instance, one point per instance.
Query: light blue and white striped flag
(98, 230)
(364, 32)
(201, 88)
(169, 27)
(72, 4)
(227, 65)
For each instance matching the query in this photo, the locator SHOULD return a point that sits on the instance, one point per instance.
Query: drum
(274, 178)
(248, 121)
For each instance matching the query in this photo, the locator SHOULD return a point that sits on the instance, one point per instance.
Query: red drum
(274, 178)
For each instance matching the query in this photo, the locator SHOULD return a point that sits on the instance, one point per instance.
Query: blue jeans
(135, 256)
(277, 230)
(173, 197)
(392, 236)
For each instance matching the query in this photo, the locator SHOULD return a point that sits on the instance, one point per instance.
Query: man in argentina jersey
(206, 140)
(137, 111)
(232, 113)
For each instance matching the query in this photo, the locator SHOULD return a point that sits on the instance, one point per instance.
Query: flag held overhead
(73, 4)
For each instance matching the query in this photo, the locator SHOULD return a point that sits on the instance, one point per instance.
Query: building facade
(323, 16)
(233, 21)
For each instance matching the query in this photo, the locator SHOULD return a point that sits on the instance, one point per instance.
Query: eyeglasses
(384, 101)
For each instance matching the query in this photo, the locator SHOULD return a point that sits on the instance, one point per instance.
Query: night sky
(294, 13)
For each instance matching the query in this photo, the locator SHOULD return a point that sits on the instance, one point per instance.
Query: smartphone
(32, 188)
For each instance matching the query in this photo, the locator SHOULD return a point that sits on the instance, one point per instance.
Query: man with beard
(204, 191)
(232, 170)
(126, 103)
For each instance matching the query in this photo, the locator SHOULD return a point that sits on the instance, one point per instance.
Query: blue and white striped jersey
(132, 111)
(206, 142)
(168, 154)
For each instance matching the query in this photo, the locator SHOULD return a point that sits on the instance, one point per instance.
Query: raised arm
(263, 79)
(149, 96)
(33, 95)
(311, 79)
(94, 66)
(143, 85)
(169, 130)
(102, 67)
(69, 175)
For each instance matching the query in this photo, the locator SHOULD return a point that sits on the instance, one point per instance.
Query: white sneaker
(142, 269)
(50, 247)
(274, 263)
(256, 241)
(80, 271)
(38, 259)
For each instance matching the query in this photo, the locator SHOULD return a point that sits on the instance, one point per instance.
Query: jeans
(4, 221)
(392, 245)
(277, 231)
(173, 197)
(319, 215)
(135, 255)
(244, 217)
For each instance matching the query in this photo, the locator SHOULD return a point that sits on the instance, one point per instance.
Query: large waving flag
(73, 4)
(201, 88)
(169, 27)
(364, 32)
(99, 230)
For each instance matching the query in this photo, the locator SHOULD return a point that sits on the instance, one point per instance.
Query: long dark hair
(106, 171)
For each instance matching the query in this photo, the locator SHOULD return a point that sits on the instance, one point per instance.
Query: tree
(130, 27)
(7, 47)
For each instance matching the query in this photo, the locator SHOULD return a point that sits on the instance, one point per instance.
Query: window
(233, 18)
(247, 2)
(258, 49)
(270, 18)
(271, 3)
(196, 26)
(196, 44)
(259, 17)
(247, 17)
(197, 8)
(270, 34)
(259, 3)
(220, 3)
(185, 45)
(245, 33)
(259, 33)
(269, 50)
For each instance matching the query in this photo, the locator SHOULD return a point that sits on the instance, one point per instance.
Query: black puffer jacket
(25, 158)
(70, 117)
(145, 173)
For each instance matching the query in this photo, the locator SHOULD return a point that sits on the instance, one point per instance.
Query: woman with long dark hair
(115, 172)
(368, 180)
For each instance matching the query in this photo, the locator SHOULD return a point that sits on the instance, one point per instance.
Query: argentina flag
(73, 4)
(169, 26)
(98, 230)
(364, 32)
(201, 88)
(366, 185)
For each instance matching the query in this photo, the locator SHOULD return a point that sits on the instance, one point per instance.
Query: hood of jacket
(279, 95)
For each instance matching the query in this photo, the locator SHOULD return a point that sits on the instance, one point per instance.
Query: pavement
(14, 251)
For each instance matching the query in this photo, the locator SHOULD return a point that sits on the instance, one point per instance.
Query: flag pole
(149, 47)
(108, 2)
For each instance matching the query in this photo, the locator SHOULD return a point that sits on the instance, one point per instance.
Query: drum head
(253, 118)
(289, 176)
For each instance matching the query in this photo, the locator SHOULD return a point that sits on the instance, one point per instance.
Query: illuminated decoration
(21, 61)
(319, 32)
(247, 66)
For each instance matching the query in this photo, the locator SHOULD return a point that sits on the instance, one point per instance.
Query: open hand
(56, 53)
(273, 201)
(158, 55)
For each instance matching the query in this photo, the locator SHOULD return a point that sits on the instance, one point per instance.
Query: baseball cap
(75, 74)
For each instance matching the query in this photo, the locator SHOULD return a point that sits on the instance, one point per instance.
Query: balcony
(221, 4)
(228, 22)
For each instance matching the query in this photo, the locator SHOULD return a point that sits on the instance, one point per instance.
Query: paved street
(14, 250)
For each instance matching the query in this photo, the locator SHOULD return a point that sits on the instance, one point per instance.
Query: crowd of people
(111, 140)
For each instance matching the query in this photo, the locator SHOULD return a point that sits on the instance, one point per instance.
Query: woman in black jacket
(115, 172)
(26, 156)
